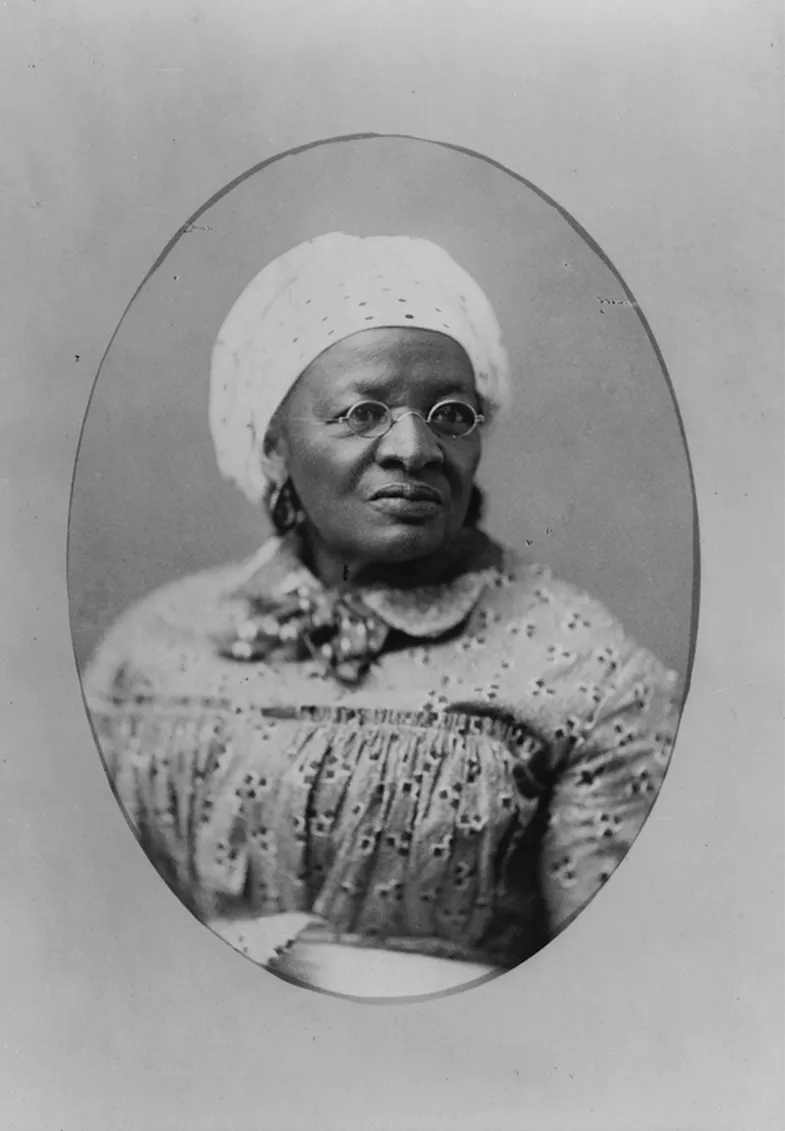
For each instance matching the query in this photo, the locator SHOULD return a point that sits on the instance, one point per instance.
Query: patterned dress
(465, 796)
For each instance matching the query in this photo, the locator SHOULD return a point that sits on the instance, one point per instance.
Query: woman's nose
(410, 443)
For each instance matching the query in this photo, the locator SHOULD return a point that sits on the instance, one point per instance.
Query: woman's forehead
(391, 355)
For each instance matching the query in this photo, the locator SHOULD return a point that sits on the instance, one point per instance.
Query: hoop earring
(284, 506)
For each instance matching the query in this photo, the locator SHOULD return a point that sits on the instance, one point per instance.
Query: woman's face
(345, 482)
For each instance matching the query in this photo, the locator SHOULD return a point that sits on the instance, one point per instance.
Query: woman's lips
(408, 500)
(415, 492)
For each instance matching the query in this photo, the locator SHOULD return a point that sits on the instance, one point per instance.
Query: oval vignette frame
(629, 301)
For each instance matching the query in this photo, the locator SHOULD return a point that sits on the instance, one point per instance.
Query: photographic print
(391, 535)
(372, 494)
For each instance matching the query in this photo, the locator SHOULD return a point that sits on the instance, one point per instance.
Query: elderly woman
(384, 731)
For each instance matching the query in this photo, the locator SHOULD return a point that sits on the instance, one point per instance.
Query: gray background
(588, 471)
(660, 128)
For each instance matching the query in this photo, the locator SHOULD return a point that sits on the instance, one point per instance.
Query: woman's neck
(335, 569)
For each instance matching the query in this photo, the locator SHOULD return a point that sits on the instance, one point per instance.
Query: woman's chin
(405, 542)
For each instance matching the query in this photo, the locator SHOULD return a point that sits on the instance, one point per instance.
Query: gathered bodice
(466, 798)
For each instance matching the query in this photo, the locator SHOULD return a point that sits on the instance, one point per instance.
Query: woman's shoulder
(543, 603)
(579, 640)
(535, 583)
(182, 611)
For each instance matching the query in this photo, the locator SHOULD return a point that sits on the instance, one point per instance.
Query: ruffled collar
(277, 571)
(280, 604)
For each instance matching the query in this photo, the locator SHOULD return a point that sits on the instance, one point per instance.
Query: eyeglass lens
(449, 419)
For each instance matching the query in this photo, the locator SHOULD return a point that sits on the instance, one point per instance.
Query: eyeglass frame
(479, 418)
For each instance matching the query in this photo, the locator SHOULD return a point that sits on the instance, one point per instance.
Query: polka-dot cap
(317, 294)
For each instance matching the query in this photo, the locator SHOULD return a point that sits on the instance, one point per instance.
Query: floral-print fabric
(465, 798)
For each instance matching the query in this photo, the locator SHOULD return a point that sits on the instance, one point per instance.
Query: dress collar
(427, 611)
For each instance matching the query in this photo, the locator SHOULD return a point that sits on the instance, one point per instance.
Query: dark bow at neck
(281, 607)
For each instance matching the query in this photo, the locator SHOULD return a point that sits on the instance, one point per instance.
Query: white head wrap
(317, 294)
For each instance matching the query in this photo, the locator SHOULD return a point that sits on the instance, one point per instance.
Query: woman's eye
(366, 413)
(454, 415)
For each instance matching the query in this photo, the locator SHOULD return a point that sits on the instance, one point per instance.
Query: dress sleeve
(159, 758)
(610, 779)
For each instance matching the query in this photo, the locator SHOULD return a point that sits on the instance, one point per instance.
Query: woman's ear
(275, 448)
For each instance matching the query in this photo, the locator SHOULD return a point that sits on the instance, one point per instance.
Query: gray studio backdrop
(588, 472)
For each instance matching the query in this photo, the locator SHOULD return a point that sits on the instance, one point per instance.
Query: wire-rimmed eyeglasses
(448, 420)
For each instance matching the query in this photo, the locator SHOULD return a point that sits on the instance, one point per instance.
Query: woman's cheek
(328, 483)
(463, 471)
